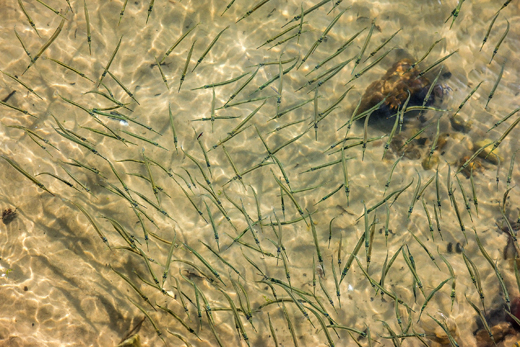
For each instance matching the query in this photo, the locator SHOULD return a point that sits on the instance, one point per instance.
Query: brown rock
(396, 83)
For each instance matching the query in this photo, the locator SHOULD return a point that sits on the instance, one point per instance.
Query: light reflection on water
(61, 290)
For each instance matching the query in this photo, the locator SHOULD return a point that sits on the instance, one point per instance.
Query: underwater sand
(61, 291)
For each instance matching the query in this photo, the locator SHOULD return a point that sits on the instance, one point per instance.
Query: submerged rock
(494, 158)
(396, 83)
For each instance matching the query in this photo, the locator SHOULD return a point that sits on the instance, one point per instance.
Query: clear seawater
(57, 287)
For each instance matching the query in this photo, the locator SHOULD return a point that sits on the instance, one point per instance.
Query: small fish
(371, 65)
(428, 217)
(174, 315)
(504, 5)
(433, 85)
(26, 174)
(430, 296)
(108, 97)
(274, 78)
(280, 147)
(122, 12)
(323, 326)
(322, 36)
(356, 116)
(222, 259)
(33, 135)
(277, 36)
(170, 50)
(496, 84)
(253, 9)
(338, 51)
(237, 174)
(162, 73)
(172, 125)
(461, 224)
(332, 74)
(130, 239)
(134, 287)
(239, 126)
(76, 104)
(483, 319)
(421, 191)
(246, 101)
(92, 222)
(22, 83)
(473, 191)
(489, 29)
(290, 195)
(52, 9)
(371, 241)
(144, 139)
(375, 284)
(345, 175)
(413, 270)
(452, 274)
(242, 86)
(353, 255)
(280, 85)
(422, 73)
(407, 142)
(209, 47)
(223, 83)
(300, 28)
(240, 326)
(391, 135)
(455, 13)
(23, 45)
(215, 232)
(475, 276)
(425, 55)
(466, 203)
(208, 165)
(205, 262)
(159, 333)
(333, 106)
(306, 12)
(386, 227)
(365, 45)
(109, 63)
(47, 43)
(316, 243)
(278, 128)
(425, 248)
(503, 136)
(392, 170)
(87, 18)
(475, 155)
(382, 45)
(509, 173)
(199, 166)
(228, 6)
(150, 177)
(500, 42)
(273, 335)
(292, 108)
(503, 286)
(28, 17)
(123, 87)
(386, 268)
(58, 178)
(445, 328)
(415, 194)
(150, 7)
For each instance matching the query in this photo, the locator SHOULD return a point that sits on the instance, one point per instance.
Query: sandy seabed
(57, 287)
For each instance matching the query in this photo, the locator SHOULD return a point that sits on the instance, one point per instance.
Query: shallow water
(60, 290)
